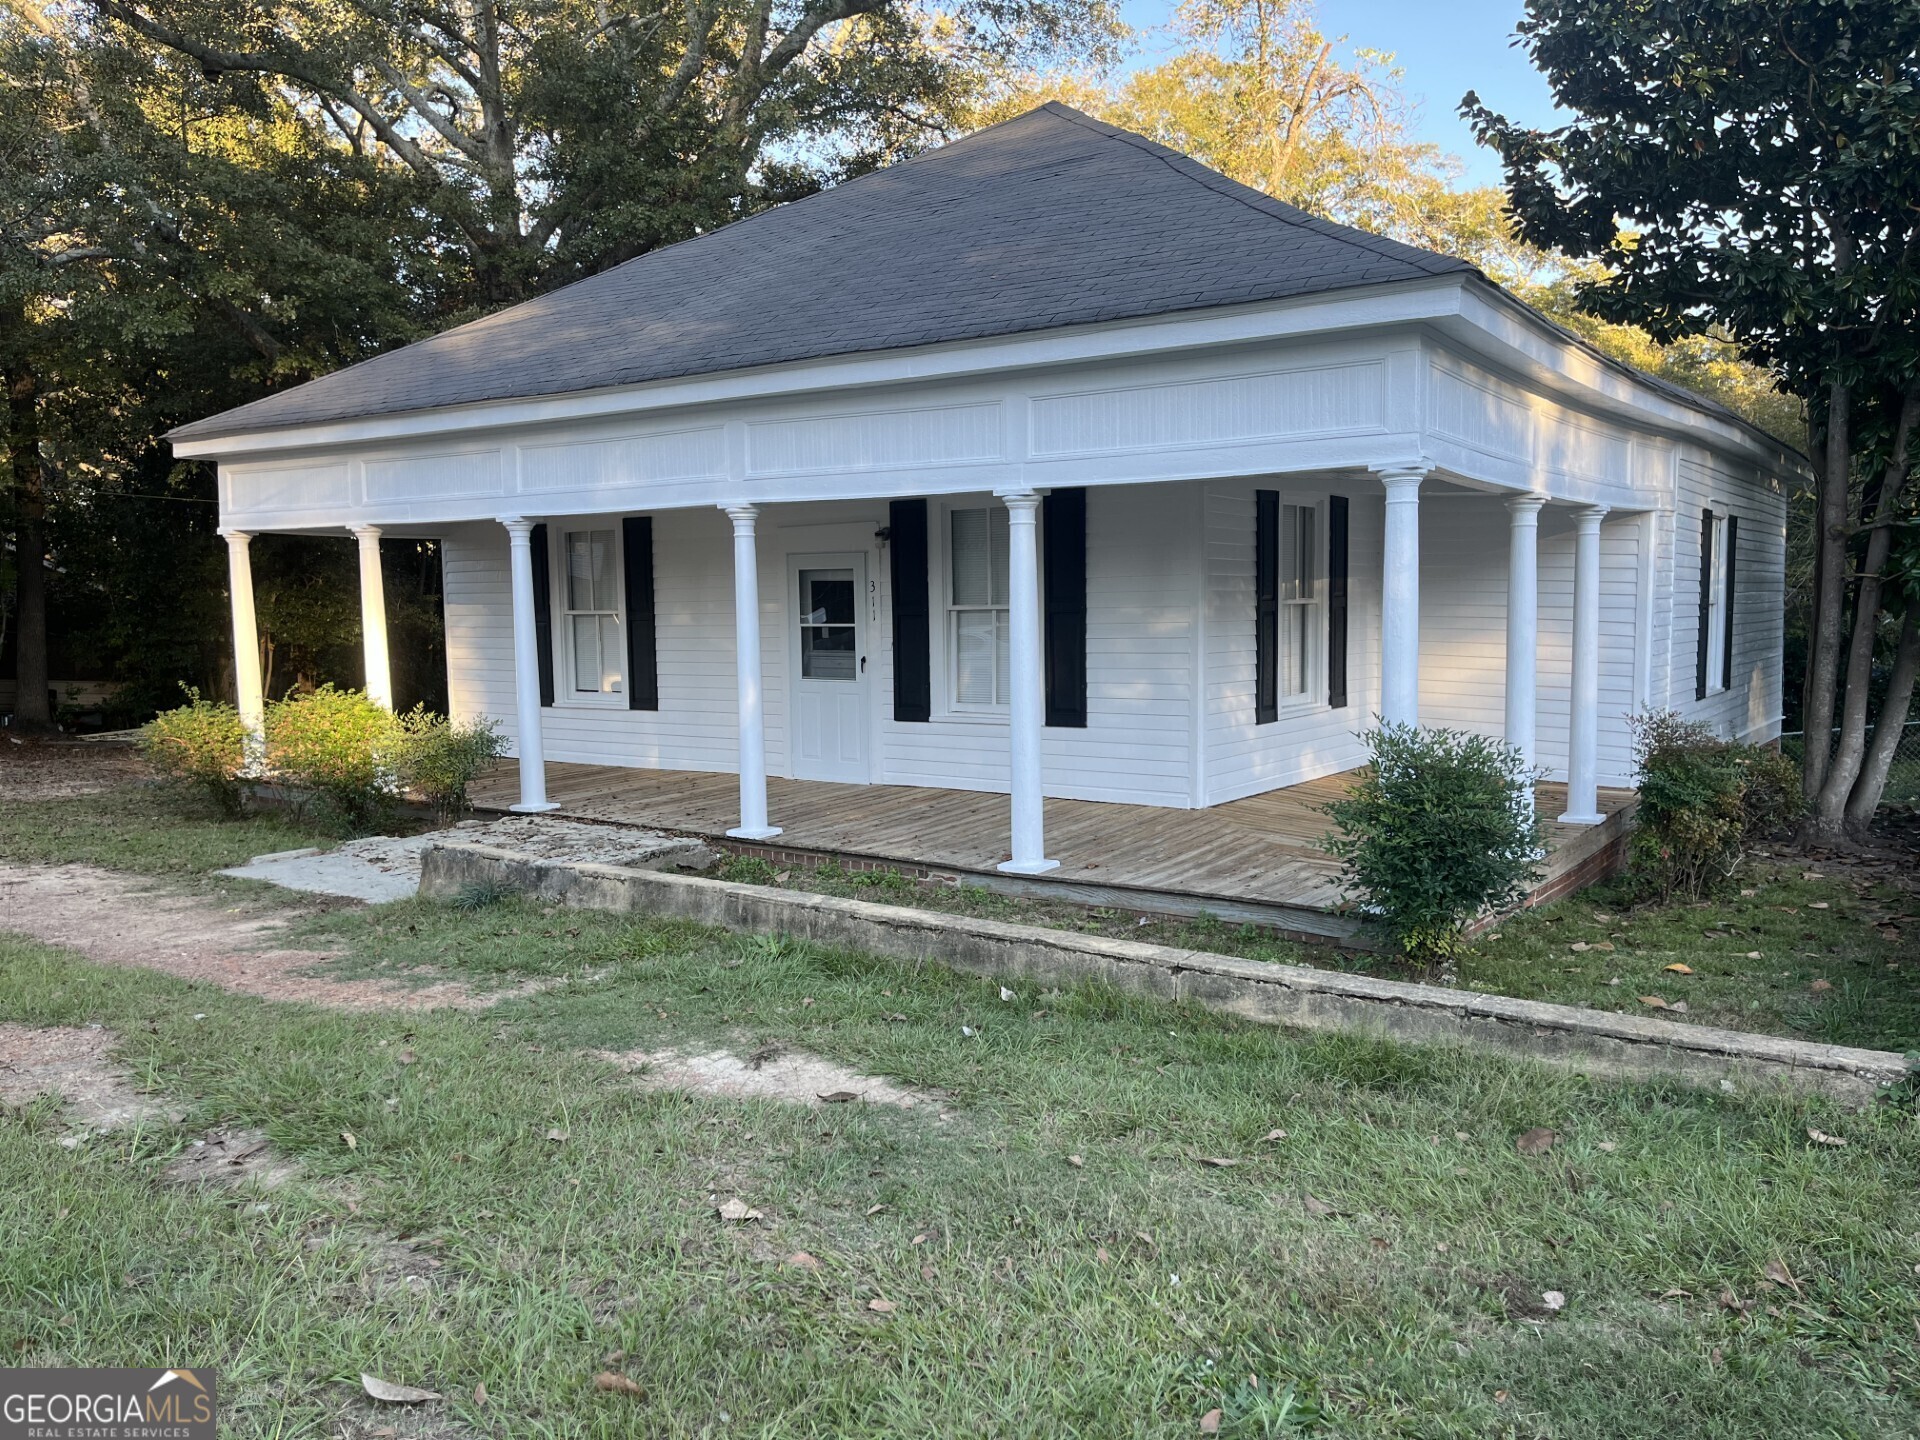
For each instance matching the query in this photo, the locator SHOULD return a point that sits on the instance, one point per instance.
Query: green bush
(341, 748)
(1703, 802)
(438, 759)
(1439, 827)
(200, 747)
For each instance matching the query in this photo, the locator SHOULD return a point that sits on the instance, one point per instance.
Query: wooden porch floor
(1256, 858)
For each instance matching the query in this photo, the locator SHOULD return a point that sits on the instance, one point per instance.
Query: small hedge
(438, 760)
(1439, 827)
(340, 747)
(200, 748)
(1703, 802)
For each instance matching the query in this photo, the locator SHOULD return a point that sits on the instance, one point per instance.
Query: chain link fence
(1903, 780)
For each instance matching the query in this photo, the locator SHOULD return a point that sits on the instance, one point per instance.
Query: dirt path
(120, 919)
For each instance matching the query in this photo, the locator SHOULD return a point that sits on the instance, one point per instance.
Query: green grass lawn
(147, 830)
(1375, 1261)
(1127, 1295)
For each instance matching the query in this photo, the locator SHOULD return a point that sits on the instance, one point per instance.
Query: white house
(1050, 463)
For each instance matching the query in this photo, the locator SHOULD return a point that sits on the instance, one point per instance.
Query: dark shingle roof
(1047, 220)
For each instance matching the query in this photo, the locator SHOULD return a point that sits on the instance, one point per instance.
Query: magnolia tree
(1753, 171)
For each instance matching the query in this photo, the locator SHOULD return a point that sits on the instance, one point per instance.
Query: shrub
(437, 759)
(1439, 827)
(200, 747)
(340, 746)
(1703, 802)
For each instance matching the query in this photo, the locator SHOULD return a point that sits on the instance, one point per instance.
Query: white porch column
(1400, 598)
(526, 670)
(246, 651)
(373, 617)
(1523, 621)
(1583, 719)
(746, 645)
(1027, 699)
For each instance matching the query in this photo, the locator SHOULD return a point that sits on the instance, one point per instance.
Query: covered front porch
(1255, 860)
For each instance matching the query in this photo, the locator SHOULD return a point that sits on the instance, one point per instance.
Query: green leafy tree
(1750, 171)
(552, 138)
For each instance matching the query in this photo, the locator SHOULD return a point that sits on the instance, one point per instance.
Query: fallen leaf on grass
(1679, 1007)
(480, 1393)
(737, 1209)
(1776, 1271)
(1820, 987)
(1273, 1135)
(1076, 1161)
(1318, 1207)
(1536, 1141)
(1679, 968)
(1554, 1301)
(839, 1097)
(801, 1260)
(875, 1209)
(616, 1384)
(1603, 945)
(1219, 1162)
(1818, 905)
(1653, 1002)
(347, 1137)
(406, 1057)
(557, 1135)
(1579, 947)
(1608, 1146)
(881, 1307)
(392, 1394)
(1820, 1137)
(1210, 1422)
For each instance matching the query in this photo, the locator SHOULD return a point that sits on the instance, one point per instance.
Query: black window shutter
(1706, 605)
(1064, 526)
(1266, 606)
(643, 654)
(543, 610)
(912, 637)
(1726, 646)
(1337, 601)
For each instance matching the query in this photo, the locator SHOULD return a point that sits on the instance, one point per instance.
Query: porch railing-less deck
(1253, 860)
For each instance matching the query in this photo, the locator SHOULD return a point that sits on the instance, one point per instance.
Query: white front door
(829, 657)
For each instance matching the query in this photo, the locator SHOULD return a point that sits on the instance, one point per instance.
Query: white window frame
(1313, 695)
(949, 613)
(567, 692)
(1717, 608)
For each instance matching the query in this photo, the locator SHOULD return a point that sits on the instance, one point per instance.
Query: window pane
(972, 562)
(997, 531)
(611, 654)
(586, 654)
(826, 597)
(977, 661)
(1297, 552)
(1296, 639)
(827, 652)
(590, 570)
(1001, 667)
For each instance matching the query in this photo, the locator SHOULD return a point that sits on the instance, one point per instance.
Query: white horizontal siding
(1463, 626)
(1751, 706)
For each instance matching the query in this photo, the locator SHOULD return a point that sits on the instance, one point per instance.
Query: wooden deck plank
(1263, 849)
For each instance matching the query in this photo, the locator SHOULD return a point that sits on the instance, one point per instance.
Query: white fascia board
(1398, 304)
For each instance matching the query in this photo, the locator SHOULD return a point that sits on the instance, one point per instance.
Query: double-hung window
(1299, 599)
(977, 645)
(1287, 626)
(1716, 602)
(592, 619)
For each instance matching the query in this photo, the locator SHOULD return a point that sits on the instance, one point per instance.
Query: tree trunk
(1829, 600)
(1833, 804)
(31, 707)
(1887, 730)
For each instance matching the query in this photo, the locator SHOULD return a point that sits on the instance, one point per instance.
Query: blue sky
(1444, 47)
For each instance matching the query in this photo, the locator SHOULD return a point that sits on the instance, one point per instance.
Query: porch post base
(538, 807)
(753, 832)
(1028, 867)
(1590, 818)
